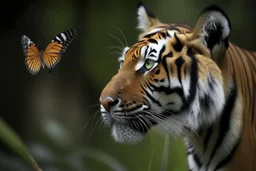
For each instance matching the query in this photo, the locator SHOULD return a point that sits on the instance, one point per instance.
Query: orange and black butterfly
(35, 58)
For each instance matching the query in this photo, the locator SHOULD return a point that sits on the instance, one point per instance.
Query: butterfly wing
(57, 47)
(32, 55)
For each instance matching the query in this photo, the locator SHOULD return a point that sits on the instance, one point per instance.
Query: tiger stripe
(197, 84)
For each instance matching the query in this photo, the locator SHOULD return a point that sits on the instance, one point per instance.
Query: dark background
(57, 114)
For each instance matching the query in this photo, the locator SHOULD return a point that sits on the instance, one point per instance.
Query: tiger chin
(188, 82)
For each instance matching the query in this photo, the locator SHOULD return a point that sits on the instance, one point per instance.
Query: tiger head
(170, 78)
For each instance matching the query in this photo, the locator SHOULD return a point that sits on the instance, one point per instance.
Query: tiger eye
(149, 63)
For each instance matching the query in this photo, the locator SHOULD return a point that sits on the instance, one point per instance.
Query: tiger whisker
(112, 47)
(93, 129)
(84, 126)
(179, 121)
(142, 123)
(101, 123)
(135, 124)
(178, 118)
(157, 117)
(98, 104)
(172, 125)
(139, 124)
(159, 120)
(148, 122)
(115, 53)
(125, 40)
(117, 40)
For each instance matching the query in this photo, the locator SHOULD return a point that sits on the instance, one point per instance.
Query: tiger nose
(107, 103)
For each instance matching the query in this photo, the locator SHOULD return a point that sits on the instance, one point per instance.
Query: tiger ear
(146, 18)
(213, 28)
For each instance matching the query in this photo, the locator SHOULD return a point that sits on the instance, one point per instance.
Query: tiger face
(168, 79)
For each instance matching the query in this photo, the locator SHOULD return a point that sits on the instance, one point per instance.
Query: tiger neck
(213, 147)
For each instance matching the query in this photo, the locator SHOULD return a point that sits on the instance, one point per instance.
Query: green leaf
(12, 140)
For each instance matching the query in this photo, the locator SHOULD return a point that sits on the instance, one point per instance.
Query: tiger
(190, 82)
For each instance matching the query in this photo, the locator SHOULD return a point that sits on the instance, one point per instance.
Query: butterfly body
(35, 57)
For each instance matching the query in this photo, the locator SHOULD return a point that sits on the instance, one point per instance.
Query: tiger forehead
(157, 38)
(158, 34)
(153, 37)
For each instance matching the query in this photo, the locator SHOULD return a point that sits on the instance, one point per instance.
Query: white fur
(186, 84)
(231, 137)
(171, 33)
(144, 56)
(140, 64)
(143, 19)
(124, 134)
(195, 116)
(122, 57)
(191, 163)
(224, 23)
(218, 98)
(211, 20)
(120, 131)
(155, 30)
(107, 98)
(174, 82)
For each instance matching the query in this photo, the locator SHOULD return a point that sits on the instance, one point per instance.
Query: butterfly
(35, 58)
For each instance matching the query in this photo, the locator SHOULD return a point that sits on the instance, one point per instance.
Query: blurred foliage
(57, 115)
(10, 139)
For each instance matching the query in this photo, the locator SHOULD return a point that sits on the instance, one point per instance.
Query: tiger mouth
(139, 121)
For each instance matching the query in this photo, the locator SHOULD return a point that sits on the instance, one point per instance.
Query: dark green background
(48, 111)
